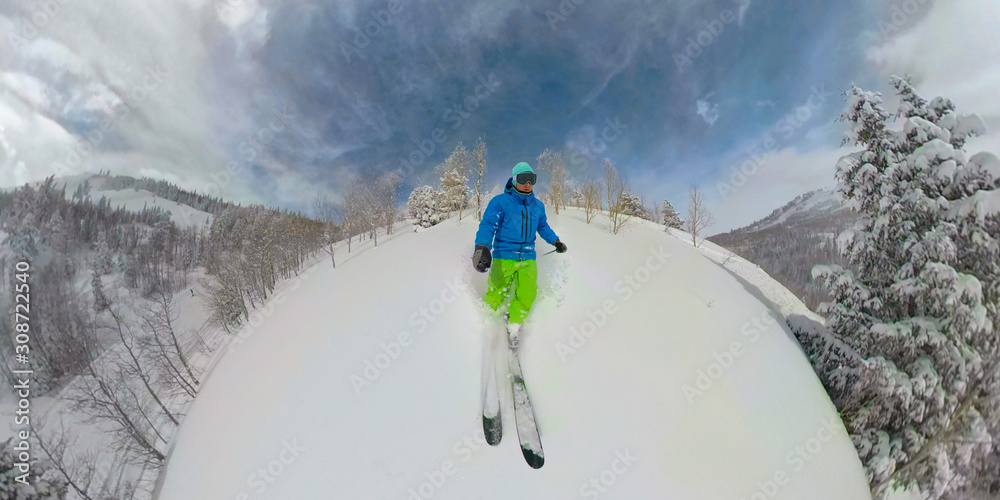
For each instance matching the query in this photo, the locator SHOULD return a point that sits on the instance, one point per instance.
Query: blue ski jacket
(510, 222)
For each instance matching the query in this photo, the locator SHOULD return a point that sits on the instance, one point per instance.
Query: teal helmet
(525, 171)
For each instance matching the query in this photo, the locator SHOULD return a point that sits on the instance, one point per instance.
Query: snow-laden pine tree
(671, 219)
(915, 328)
(631, 206)
(423, 206)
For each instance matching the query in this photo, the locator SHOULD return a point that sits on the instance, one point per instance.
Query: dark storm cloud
(377, 83)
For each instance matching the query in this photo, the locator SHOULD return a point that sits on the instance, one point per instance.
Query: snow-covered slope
(135, 199)
(805, 209)
(363, 382)
(793, 239)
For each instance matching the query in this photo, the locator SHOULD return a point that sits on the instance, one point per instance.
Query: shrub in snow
(911, 349)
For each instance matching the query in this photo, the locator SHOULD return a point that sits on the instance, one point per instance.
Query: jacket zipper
(524, 228)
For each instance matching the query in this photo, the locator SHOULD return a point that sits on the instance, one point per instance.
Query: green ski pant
(522, 276)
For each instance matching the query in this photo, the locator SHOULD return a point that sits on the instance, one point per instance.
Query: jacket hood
(509, 189)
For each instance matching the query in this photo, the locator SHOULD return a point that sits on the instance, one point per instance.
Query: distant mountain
(792, 239)
(186, 208)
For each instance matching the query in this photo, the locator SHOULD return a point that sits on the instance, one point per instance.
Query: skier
(508, 229)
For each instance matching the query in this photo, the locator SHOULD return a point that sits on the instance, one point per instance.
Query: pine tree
(631, 206)
(671, 219)
(919, 391)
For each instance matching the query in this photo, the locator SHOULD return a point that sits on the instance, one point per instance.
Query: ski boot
(513, 333)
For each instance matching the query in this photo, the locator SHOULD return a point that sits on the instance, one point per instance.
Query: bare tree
(387, 188)
(135, 367)
(77, 468)
(479, 155)
(591, 193)
(159, 319)
(350, 213)
(103, 393)
(699, 217)
(326, 212)
(553, 164)
(615, 189)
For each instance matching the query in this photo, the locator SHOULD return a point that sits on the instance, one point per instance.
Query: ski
(492, 423)
(524, 416)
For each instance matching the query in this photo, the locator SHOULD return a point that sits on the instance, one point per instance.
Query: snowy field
(655, 373)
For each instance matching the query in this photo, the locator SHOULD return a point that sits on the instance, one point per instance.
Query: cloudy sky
(277, 101)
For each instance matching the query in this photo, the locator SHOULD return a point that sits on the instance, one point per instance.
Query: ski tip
(535, 460)
(492, 429)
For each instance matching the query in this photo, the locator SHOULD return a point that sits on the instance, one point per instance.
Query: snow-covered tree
(41, 485)
(671, 219)
(101, 301)
(632, 206)
(423, 206)
(57, 233)
(479, 154)
(577, 197)
(454, 174)
(919, 389)
(102, 261)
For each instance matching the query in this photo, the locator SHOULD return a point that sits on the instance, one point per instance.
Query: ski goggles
(526, 177)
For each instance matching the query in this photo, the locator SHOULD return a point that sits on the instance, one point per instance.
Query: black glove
(560, 246)
(482, 259)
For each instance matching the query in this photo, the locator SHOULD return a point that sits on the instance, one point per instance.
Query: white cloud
(93, 57)
(708, 112)
(737, 199)
(952, 51)
(26, 87)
